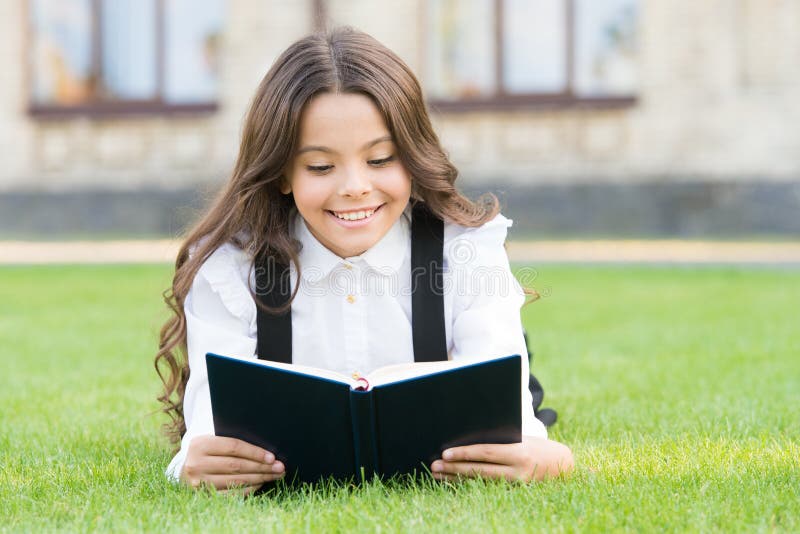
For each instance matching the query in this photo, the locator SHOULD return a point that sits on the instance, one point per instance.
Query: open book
(396, 420)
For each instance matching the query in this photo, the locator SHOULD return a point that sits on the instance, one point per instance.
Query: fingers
(221, 446)
(227, 463)
(487, 460)
(532, 459)
(231, 465)
(505, 454)
(450, 470)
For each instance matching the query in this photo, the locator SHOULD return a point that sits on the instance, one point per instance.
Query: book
(396, 420)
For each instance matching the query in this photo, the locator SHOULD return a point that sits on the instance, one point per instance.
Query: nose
(355, 183)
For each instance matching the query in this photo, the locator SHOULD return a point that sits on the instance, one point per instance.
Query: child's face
(347, 162)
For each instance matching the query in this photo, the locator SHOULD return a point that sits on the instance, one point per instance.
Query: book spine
(362, 410)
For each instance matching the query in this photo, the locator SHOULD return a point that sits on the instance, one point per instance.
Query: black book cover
(320, 427)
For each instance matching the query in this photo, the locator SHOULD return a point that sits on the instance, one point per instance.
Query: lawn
(678, 390)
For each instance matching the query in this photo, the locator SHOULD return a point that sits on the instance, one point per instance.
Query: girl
(336, 149)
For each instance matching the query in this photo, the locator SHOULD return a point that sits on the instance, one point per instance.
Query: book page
(380, 376)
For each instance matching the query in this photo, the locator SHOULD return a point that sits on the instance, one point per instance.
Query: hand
(225, 463)
(532, 459)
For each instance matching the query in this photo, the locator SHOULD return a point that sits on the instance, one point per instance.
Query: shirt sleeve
(220, 318)
(486, 303)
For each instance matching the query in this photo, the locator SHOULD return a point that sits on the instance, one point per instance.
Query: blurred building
(634, 117)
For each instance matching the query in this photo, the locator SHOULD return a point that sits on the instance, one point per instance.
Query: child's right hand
(224, 463)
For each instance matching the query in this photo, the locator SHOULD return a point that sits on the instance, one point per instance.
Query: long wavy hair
(251, 212)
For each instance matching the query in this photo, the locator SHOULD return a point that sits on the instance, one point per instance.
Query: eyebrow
(311, 148)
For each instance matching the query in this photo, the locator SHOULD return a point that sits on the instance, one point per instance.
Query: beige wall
(720, 81)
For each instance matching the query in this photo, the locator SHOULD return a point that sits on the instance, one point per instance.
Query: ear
(286, 185)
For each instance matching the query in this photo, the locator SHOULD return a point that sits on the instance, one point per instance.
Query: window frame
(502, 100)
(100, 108)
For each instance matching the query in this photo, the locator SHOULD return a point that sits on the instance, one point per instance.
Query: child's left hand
(532, 459)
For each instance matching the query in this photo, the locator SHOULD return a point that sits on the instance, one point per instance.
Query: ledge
(104, 110)
(532, 102)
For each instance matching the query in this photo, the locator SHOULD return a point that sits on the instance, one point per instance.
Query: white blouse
(354, 314)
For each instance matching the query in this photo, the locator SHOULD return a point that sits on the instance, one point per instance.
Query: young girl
(336, 149)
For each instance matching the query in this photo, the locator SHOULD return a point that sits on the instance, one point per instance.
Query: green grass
(678, 390)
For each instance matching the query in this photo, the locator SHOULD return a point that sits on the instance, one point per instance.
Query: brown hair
(250, 210)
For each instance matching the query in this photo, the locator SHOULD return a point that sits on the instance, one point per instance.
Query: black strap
(427, 295)
(273, 288)
(427, 299)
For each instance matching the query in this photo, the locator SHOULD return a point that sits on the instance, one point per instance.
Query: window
(497, 53)
(89, 56)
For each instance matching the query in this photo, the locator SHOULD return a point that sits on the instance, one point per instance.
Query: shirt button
(351, 299)
(348, 266)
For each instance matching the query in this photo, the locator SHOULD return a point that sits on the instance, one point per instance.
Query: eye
(380, 162)
(319, 169)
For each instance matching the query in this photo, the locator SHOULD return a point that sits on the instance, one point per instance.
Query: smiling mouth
(355, 215)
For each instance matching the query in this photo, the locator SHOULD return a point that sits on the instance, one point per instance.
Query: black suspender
(427, 299)
(273, 288)
(427, 295)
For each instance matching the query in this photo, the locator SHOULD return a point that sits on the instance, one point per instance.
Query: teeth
(355, 216)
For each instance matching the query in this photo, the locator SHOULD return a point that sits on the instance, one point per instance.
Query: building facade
(587, 116)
